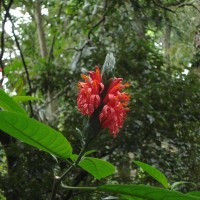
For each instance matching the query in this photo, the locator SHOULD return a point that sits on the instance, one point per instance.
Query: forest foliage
(47, 45)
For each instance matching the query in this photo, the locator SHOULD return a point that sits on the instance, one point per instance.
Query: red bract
(114, 103)
(114, 111)
(89, 91)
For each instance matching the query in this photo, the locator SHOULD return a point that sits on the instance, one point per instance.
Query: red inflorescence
(114, 111)
(89, 92)
(114, 103)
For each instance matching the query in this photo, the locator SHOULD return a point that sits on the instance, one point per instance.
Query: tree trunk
(40, 29)
(166, 39)
(138, 23)
(51, 107)
(196, 62)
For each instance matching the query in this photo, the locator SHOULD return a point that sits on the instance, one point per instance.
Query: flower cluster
(114, 102)
(89, 92)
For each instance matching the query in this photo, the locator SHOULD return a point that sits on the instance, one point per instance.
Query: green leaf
(2, 197)
(194, 193)
(155, 173)
(96, 167)
(35, 133)
(73, 157)
(25, 98)
(89, 152)
(19, 85)
(146, 192)
(7, 103)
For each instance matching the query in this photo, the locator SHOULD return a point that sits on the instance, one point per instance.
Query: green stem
(57, 181)
(90, 131)
(78, 188)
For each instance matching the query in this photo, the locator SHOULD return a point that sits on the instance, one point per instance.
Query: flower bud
(108, 67)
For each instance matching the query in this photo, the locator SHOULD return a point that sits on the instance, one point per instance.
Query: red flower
(114, 103)
(89, 91)
(114, 111)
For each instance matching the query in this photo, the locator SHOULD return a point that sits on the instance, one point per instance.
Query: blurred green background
(156, 45)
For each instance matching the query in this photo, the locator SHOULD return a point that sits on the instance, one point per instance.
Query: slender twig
(176, 3)
(163, 7)
(22, 57)
(7, 8)
(99, 22)
(88, 40)
(53, 98)
(189, 4)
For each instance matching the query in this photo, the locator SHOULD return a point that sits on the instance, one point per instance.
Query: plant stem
(57, 181)
(78, 188)
(89, 132)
